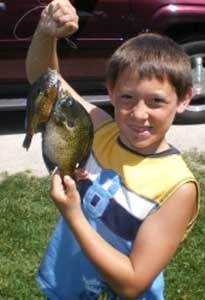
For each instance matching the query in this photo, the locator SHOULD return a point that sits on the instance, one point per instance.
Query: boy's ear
(184, 102)
(110, 93)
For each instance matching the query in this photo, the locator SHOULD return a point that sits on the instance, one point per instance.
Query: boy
(138, 199)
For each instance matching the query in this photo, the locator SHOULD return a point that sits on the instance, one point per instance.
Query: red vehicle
(104, 25)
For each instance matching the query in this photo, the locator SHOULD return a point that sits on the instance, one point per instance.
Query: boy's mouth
(141, 131)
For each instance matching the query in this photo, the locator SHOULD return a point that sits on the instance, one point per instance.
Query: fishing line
(22, 18)
(41, 2)
(40, 6)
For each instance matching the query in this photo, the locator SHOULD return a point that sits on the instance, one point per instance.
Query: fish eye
(70, 123)
(70, 101)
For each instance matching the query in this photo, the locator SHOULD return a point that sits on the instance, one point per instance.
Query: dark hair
(152, 55)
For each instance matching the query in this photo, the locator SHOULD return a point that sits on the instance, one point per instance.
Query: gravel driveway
(14, 158)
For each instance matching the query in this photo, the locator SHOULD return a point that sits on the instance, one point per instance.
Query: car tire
(195, 112)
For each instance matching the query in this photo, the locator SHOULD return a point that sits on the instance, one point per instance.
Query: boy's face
(144, 111)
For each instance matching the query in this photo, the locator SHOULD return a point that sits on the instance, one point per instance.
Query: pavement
(14, 158)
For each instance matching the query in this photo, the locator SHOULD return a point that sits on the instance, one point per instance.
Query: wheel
(195, 112)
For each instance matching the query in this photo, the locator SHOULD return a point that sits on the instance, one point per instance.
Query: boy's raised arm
(58, 19)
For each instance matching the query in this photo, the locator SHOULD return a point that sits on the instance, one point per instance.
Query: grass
(185, 275)
(27, 217)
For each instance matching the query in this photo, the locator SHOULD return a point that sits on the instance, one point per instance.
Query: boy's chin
(147, 148)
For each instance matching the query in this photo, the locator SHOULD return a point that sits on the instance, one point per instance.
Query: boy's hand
(81, 174)
(65, 195)
(59, 19)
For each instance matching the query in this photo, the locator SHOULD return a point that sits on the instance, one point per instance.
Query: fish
(40, 101)
(68, 135)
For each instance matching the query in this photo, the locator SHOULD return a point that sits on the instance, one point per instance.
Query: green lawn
(185, 275)
(27, 217)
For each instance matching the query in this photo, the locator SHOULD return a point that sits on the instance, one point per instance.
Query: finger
(61, 17)
(69, 183)
(44, 12)
(66, 21)
(71, 188)
(64, 7)
(57, 188)
(81, 174)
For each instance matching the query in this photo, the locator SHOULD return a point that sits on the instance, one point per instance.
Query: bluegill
(40, 101)
(67, 131)
(68, 135)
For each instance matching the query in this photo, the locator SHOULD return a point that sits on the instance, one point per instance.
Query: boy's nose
(140, 110)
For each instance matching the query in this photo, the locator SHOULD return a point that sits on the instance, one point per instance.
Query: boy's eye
(126, 98)
(156, 101)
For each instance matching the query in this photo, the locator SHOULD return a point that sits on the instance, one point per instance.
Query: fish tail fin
(27, 141)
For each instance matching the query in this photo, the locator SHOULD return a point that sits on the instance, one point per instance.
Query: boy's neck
(163, 151)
